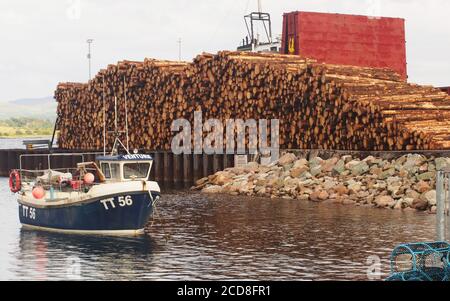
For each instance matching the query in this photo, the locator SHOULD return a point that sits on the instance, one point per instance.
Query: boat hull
(117, 214)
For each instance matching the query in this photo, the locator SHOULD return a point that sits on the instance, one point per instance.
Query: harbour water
(197, 237)
(12, 143)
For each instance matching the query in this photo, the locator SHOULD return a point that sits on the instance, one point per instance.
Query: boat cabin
(123, 168)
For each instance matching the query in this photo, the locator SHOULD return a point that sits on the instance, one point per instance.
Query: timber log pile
(319, 106)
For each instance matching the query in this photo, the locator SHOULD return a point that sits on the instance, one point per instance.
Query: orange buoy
(38, 192)
(89, 178)
(15, 183)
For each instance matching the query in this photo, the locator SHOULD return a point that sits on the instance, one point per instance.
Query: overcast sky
(44, 42)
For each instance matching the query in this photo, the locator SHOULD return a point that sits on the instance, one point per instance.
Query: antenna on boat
(104, 118)
(117, 141)
(126, 112)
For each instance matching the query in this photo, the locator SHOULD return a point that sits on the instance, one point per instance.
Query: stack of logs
(319, 106)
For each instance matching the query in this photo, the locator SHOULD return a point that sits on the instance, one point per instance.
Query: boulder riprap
(403, 183)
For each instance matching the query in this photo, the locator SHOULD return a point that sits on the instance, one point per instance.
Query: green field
(25, 127)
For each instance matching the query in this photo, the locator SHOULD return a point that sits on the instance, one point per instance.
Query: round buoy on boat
(89, 178)
(14, 181)
(38, 192)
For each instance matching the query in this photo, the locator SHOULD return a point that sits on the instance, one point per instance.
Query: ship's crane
(253, 42)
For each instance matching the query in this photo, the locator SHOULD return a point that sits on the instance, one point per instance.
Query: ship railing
(443, 205)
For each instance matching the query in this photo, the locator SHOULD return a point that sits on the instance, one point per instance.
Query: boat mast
(126, 112)
(116, 131)
(104, 118)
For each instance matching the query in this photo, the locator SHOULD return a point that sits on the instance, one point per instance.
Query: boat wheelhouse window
(115, 170)
(106, 170)
(136, 170)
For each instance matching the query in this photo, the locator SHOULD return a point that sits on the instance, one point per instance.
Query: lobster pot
(420, 262)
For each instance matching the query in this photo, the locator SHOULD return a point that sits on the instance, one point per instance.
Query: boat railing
(443, 205)
(29, 176)
(50, 156)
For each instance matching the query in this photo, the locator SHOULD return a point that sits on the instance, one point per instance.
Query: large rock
(289, 181)
(232, 188)
(350, 165)
(214, 189)
(279, 183)
(346, 158)
(354, 186)
(341, 190)
(375, 170)
(385, 165)
(412, 194)
(201, 182)
(316, 170)
(236, 170)
(319, 196)
(385, 201)
(420, 204)
(222, 178)
(422, 187)
(306, 175)
(247, 188)
(431, 167)
(300, 163)
(287, 167)
(360, 169)
(251, 167)
(339, 168)
(329, 184)
(402, 160)
(407, 202)
(329, 165)
(261, 191)
(433, 210)
(380, 186)
(315, 162)
(426, 176)
(398, 205)
(394, 187)
(286, 159)
(370, 160)
(442, 163)
(303, 197)
(430, 197)
(423, 168)
(296, 172)
(415, 160)
(306, 182)
(386, 174)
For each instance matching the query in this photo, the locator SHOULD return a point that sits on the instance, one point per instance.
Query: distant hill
(33, 101)
(39, 108)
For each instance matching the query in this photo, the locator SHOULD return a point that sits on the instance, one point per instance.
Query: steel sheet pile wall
(319, 106)
(347, 39)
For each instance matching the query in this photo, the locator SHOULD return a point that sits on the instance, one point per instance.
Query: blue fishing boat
(111, 196)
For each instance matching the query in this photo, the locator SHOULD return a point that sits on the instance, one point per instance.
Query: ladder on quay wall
(443, 205)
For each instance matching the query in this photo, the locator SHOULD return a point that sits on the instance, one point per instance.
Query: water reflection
(51, 256)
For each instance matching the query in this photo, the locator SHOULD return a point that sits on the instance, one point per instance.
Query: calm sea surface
(197, 237)
(17, 143)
